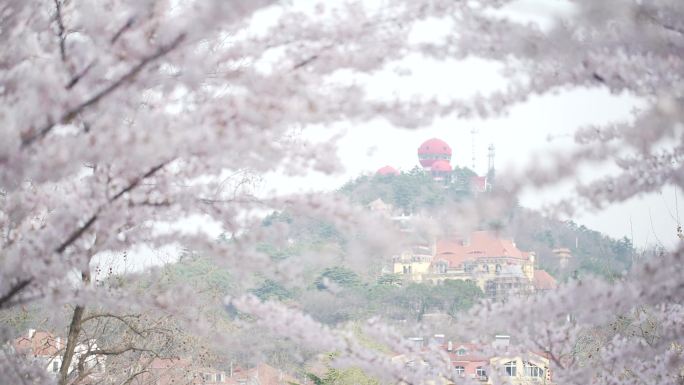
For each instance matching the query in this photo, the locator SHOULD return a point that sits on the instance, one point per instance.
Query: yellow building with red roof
(489, 260)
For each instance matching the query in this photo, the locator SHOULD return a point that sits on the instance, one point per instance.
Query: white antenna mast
(473, 134)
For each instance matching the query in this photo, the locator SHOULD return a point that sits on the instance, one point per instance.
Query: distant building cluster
(485, 362)
(47, 350)
(434, 155)
(492, 262)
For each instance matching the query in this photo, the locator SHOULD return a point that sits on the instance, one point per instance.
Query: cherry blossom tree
(119, 116)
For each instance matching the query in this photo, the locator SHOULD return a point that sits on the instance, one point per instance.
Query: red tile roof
(262, 374)
(544, 281)
(482, 244)
(39, 343)
(441, 166)
(387, 170)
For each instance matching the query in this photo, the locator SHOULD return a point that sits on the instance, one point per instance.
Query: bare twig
(76, 78)
(19, 286)
(122, 319)
(116, 352)
(124, 28)
(61, 32)
(311, 58)
(305, 62)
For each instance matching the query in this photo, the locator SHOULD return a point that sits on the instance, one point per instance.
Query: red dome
(387, 170)
(441, 166)
(433, 150)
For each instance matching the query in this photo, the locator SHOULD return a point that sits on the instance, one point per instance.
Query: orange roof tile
(39, 343)
(482, 244)
(543, 280)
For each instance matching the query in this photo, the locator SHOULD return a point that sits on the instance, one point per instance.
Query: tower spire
(490, 158)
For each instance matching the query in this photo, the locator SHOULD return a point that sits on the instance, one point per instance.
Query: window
(219, 377)
(55, 366)
(481, 372)
(498, 268)
(461, 352)
(510, 369)
(532, 370)
(208, 377)
(485, 268)
(460, 370)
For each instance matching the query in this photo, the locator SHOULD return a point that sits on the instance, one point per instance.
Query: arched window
(461, 352)
(481, 373)
(485, 268)
(460, 370)
(532, 370)
(498, 268)
(511, 369)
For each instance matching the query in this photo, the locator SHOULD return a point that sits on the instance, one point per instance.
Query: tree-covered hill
(592, 251)
(415, 191)
(410, 191)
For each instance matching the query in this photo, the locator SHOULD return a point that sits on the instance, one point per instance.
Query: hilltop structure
(564, 256)
(432, 151)
(493, 263)
(434, 155)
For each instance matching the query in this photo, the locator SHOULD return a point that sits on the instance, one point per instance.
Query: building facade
(488, 364)
(493, 263)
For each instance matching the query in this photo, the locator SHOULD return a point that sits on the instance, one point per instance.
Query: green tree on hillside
(269, 290)
(340, 276)
(409, 191)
